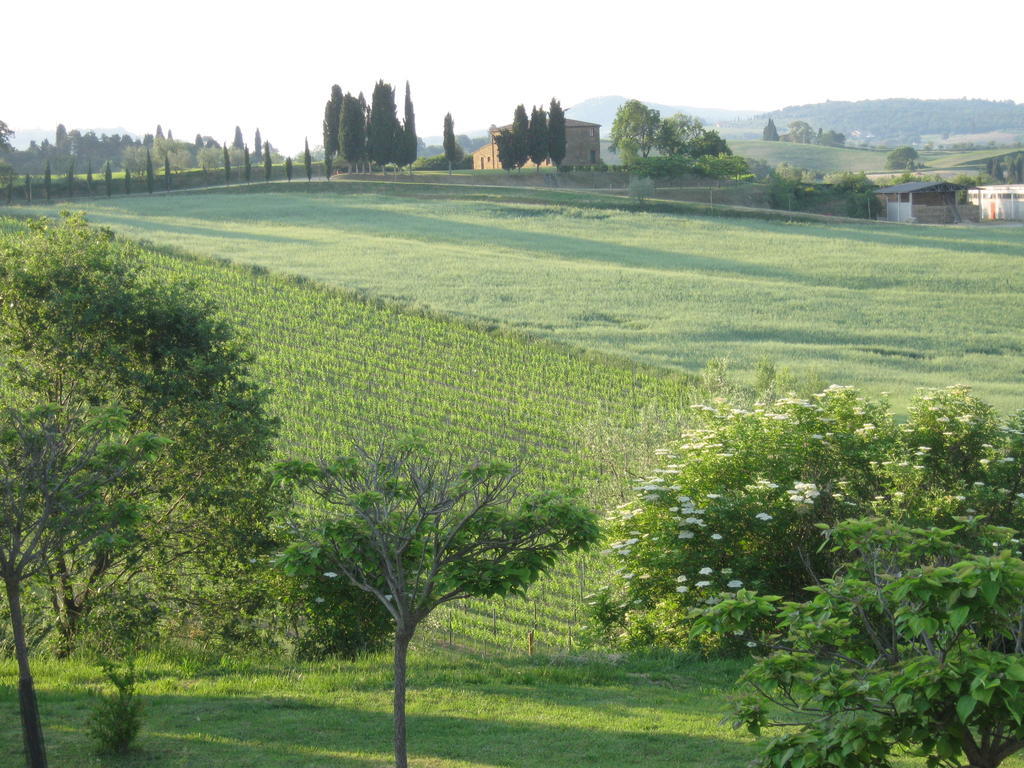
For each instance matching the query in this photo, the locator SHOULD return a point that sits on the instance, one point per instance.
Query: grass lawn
(888, 308)
(465, 711)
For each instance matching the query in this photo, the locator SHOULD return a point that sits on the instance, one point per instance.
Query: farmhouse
(582, 146)
(1005, 201)
(926, 202)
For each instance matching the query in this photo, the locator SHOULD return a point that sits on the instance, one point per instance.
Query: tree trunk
(31, 727)
(402, 639)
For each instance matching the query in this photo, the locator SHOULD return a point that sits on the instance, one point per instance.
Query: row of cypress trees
(536, 138)
(360, 134)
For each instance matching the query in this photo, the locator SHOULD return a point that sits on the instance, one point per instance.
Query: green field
(888, 308)
(811, 156)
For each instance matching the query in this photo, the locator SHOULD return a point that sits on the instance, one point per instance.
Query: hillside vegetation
(883, 307)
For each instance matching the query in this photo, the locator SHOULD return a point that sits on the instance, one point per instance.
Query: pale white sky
(208, 66)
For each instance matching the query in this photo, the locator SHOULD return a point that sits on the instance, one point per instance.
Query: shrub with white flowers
(736, 503)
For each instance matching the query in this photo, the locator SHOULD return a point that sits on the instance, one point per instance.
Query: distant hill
(602, 110)
(905, 121)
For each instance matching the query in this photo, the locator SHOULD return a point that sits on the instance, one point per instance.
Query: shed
(1003, 201)
(930, 202)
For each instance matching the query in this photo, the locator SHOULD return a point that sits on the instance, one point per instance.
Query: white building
(1005, 201)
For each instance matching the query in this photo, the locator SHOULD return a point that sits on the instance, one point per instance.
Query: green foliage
(288, 169)
(902, 158)
(738, 503)
(914, 643)
(116, 718)
(268, 165)
(239, 141)
(248, 165)
(46, 180)
(227, 165)
(150, 177)
(441, 163)
(771, 133)
(5, 136)
(635, 130)
(307, 161)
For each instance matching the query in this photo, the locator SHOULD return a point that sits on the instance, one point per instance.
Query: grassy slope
(888, 308)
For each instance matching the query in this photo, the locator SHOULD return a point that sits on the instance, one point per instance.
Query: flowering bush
(737, 503)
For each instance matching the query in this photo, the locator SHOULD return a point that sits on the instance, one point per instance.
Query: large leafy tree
(635, 130)
(676, 134)
(537, 136)
(83, 324)
(556, 132)
(914, 643)
(5, 136)
(58, 466)
(416, 531)
(383, 127)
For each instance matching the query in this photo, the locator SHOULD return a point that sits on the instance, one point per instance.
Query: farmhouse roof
(922, 186)
(568, 124)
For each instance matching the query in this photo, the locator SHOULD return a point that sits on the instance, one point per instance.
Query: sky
(205, 67)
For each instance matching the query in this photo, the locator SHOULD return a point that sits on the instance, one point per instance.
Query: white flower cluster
(803, 494)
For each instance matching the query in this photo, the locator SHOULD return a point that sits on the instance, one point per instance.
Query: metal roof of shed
(922, 186)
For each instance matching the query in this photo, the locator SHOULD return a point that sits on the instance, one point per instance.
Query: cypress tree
(353, 130)
(227, 165)
(10, 189)
(520, 137)
(167, 172)
(556, 132)
(259, 147)
(88, 179)
(383, 125)
(409, 142)
(127, 181)
(450, 147)
(537, 136)
(771, 133)
(288, 168)
(268, 167)
(332, 126)
(159, 132)
(108, 179)
(248, 165)
(198, 144)
(150, 176)
(28, 188)
(46, 180)
(506, 149)
(239, 142)
(307, 159)
(71, 179)
(365, 153)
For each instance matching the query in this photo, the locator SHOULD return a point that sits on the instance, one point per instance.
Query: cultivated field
(888, 308)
